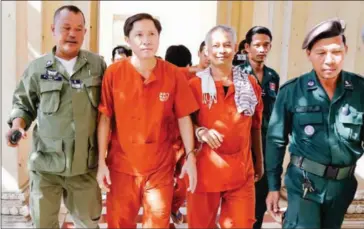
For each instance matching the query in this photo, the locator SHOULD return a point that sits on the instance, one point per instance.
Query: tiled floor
(269, 221)
(66, 220)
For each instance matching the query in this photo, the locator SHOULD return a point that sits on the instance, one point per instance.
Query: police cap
(326, 29)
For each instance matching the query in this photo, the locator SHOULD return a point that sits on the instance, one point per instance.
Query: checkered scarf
(245, 98)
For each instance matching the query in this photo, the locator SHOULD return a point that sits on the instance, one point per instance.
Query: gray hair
(224, 28)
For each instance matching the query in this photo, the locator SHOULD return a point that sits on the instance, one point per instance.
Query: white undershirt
(68, 64)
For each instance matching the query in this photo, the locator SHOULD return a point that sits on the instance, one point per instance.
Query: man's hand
(272, 203)
(103, 177)
(259, 171)
(213, 138)
(11, 131)
(190, 168)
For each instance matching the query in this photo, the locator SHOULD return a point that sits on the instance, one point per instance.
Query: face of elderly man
(221, 48)
(69, 32)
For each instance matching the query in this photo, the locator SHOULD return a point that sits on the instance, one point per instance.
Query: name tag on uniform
(51, 75)
(77, 84)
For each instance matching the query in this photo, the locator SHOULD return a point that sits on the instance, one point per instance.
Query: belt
(325, 171)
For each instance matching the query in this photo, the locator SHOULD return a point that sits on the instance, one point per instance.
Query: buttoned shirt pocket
(310, 123)
(50, 96)
(349, 125)
(93, 89)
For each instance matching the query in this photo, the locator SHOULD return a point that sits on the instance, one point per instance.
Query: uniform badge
(311, 83)
(348, 84)
(345, 111)
(49, 63)
(44, 77)
(51, 75)
(77, 84)
(272, 86)
(309, 130)
(163, 96)
(57, 77)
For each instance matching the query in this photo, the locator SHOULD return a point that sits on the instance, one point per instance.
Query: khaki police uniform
(64, 154)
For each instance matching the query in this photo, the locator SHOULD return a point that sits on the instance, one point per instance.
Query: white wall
(8, 71)
(21, 42)
(183, 22)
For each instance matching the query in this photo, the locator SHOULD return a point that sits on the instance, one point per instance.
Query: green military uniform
(269, 85)
(326, 140)
(64, 155)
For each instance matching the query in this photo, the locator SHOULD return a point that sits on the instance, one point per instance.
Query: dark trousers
(261, 192)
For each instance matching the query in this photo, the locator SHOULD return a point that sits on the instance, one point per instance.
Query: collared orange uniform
(226, 173)
(140, 155)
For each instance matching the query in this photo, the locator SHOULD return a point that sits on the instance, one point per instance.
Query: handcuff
(194, 151)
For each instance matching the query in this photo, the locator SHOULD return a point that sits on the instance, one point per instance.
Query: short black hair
(257, 30)
(324, 35)
(242, 46)
(71, 8)
(121, 50)
(179, 55)
(202, 45)
(129, 23)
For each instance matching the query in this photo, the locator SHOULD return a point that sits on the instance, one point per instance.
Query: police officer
(322, 113)
(60, 90)
(258, 43)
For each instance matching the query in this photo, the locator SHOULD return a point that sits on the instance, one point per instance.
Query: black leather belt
(326, 171)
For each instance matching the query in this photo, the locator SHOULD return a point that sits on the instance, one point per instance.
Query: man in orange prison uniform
(228, 123)
(143, 101)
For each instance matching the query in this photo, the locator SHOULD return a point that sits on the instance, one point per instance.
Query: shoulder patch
(355, 76)
(360, 77)
(273, 73)
(289, 82)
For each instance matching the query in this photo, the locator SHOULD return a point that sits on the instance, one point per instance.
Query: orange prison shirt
(229, 166)
(145, 114)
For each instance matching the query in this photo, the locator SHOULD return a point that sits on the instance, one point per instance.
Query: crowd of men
(155, 133)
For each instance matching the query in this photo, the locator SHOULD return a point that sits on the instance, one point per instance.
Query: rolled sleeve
(106, 105)
(18, 113)
(25, 100)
